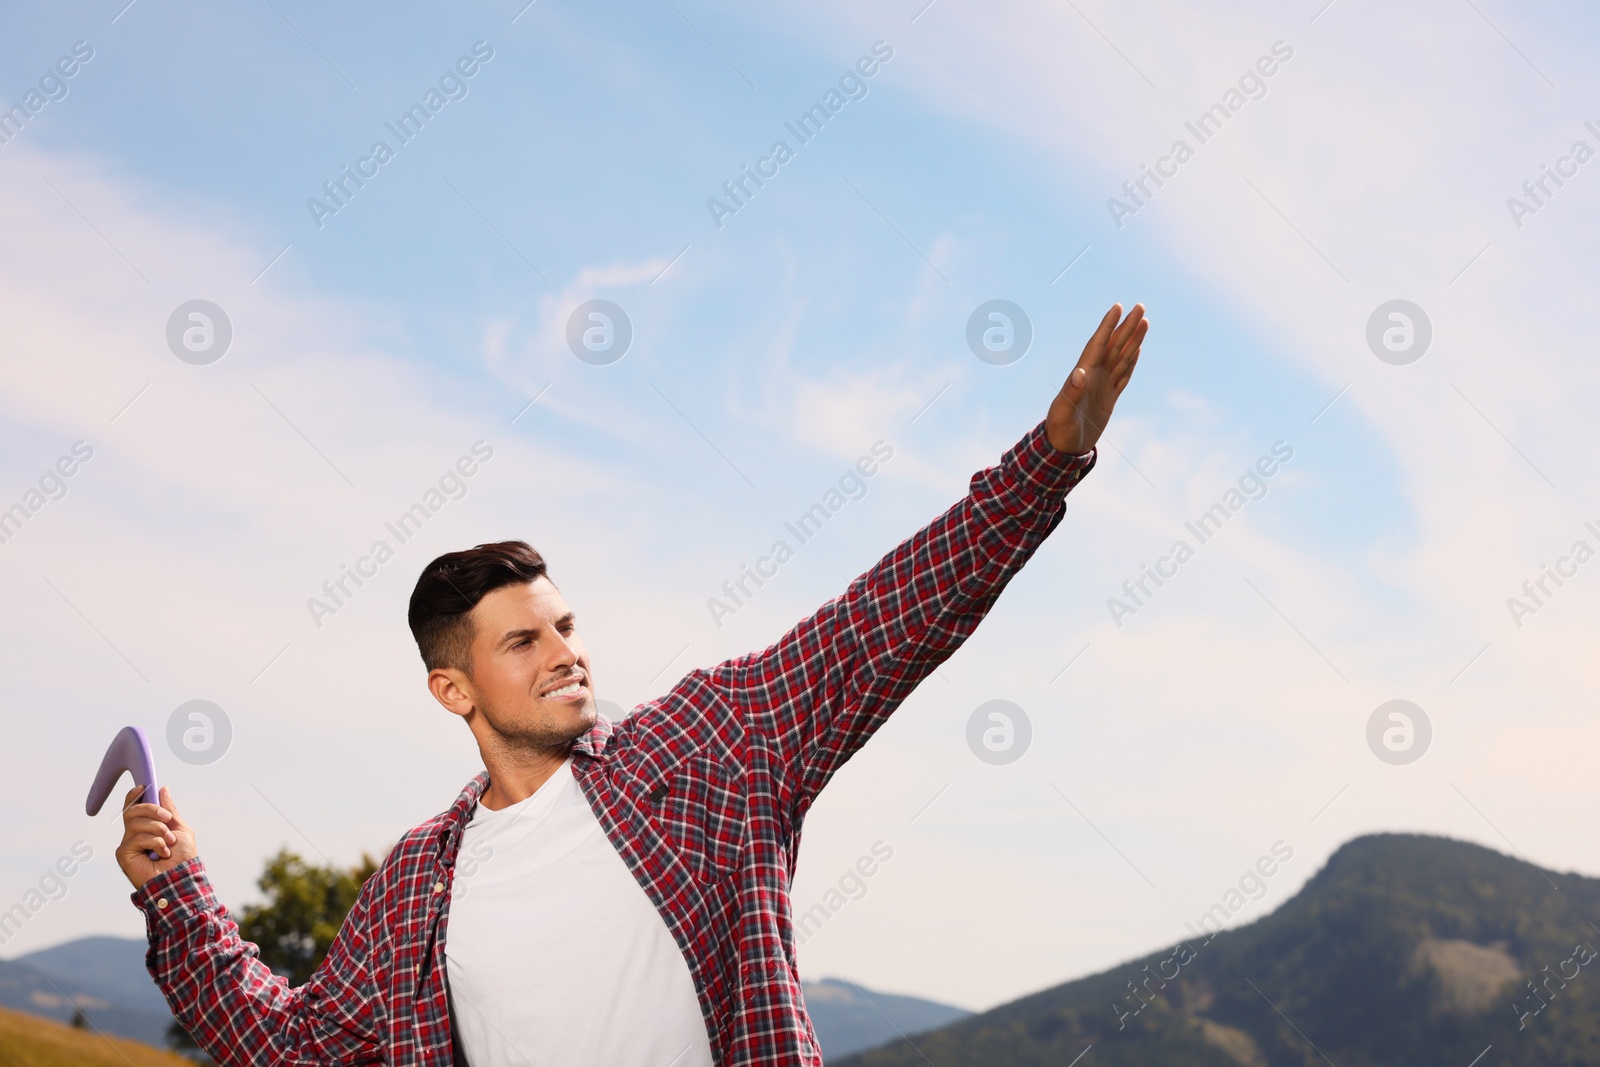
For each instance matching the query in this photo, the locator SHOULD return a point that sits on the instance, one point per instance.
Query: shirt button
(438, 887)
(162, 904)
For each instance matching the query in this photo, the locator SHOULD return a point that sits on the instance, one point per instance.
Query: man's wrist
(184, 884)
(1045, 469)
(1060, 443)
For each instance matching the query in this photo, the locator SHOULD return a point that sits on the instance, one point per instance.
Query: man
(613, 894)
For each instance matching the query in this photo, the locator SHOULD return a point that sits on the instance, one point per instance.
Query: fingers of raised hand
(1128, 355)
(1126, 376)
(1095, 351)
(1108, 323)
(1126, 331)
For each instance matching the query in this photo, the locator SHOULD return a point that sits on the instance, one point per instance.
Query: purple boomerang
(129, 751)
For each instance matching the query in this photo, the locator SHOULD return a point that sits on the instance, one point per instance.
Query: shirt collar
(594, 742)
(593, 745)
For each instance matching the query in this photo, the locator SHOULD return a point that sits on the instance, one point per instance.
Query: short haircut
(451, 586)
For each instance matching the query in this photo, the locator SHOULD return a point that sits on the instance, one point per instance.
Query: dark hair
(451, 586)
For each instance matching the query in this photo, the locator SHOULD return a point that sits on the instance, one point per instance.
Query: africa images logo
(852, 85)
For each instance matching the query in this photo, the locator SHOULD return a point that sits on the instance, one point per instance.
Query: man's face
(530, 670)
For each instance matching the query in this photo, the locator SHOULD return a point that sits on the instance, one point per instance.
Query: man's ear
(453, 689)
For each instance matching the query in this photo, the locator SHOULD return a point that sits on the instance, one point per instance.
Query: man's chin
(584, 718)
(555, 727)
(572, 721)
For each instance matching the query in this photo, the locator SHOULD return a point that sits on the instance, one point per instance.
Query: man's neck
(516, 774)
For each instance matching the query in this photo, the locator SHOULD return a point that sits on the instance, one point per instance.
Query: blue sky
(767, 355)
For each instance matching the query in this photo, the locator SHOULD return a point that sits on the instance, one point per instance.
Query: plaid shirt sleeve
(232, 1003)
(817, 695)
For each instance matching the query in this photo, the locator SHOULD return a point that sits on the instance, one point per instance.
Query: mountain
(106, 977)
(29, 1041)
(102, 986)
(1403, 949)
(848, 1017)
(110, 968)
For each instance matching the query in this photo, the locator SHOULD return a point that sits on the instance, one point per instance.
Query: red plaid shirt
(702, 791)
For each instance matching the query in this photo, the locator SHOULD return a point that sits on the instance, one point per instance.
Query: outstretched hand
(1080, 411)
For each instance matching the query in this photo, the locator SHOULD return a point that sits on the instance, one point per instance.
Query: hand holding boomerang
(155, 838)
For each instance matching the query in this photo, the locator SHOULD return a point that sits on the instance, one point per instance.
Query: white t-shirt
(555, 956)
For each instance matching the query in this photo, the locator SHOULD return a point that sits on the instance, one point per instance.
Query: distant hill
(110, 968)
(100, 982)
(1403, 951)
(29, 1041)
(106, 977)
(848, 1017)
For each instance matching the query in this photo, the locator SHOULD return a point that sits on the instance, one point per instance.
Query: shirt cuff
(172, 896)
(1040, 470)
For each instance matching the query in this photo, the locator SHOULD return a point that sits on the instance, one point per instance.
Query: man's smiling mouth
(567, 690)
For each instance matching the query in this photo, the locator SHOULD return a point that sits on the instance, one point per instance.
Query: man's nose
(566, 654)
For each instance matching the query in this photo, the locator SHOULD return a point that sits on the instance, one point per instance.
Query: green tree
(180, 1039)
(304, 909)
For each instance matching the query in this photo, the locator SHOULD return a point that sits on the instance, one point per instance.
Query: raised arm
(233, 1005)
(816, 695)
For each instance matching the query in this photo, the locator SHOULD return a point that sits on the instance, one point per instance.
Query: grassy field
(29, 1041)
